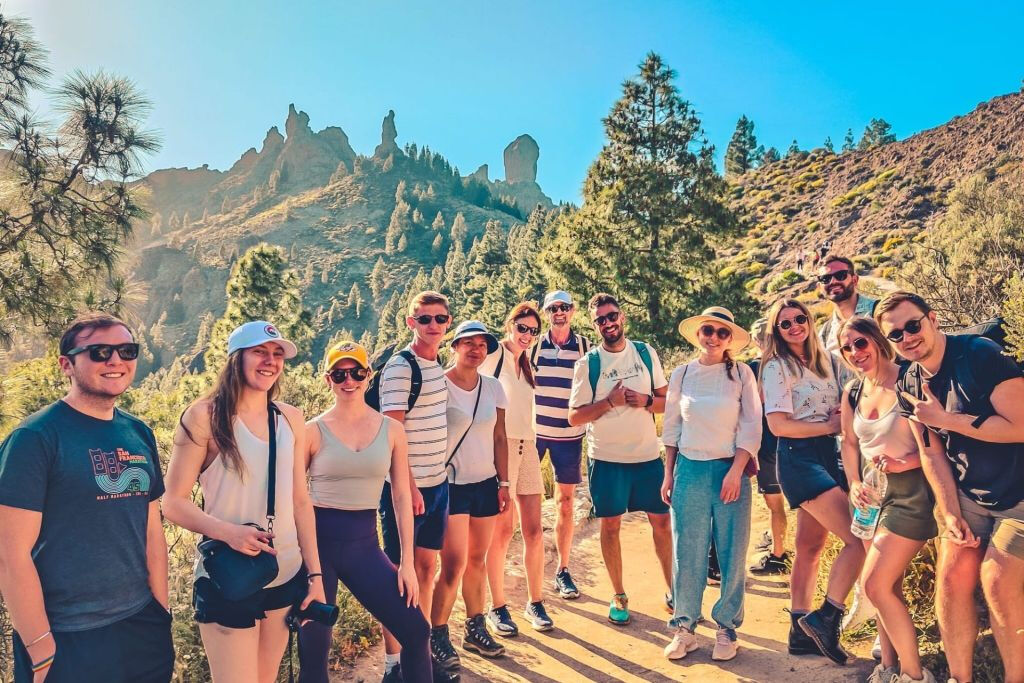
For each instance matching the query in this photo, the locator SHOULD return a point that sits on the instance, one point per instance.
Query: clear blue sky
(467, 77)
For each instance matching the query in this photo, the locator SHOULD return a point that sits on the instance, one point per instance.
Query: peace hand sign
(928, 410)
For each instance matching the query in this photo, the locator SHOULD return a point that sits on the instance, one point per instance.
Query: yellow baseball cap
(343, 350)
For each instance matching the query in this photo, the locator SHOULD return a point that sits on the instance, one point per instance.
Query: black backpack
(377, 364)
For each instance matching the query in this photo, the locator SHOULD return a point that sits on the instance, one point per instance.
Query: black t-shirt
(769, 442)
(990, 474)
(93, 481)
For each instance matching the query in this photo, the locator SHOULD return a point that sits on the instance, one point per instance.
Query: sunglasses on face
(709, 331)
(559, 308)
(799, 320)
(101, 353)
(860, 343)
(341, 374)
(526, 329)
(607, 318)
(838, 276)
(440, 319)
(912, 327)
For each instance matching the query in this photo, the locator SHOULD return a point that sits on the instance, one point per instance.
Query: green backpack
(594, 365)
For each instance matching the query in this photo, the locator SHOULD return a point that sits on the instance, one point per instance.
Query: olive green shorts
(908, 508)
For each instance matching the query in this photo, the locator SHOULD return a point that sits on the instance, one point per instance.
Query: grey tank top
(342, 478)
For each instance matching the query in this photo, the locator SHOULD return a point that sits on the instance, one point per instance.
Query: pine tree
(455, 271)
(399, 223)
(770, 155)
(848, 145)
(438, 223)
(417, 217)
(742, 154)
(378, 278)
(829, 146)
(876, 134)
(156, 225)
(653, 206)
(355, 300)
(793, 148)
(325, 275)
(487, 258)
(459, 228)
(403, 244)
(438, 244)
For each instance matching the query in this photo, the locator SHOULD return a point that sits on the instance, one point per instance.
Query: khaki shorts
(1004, 528)
(524, 468)
(1009, 538)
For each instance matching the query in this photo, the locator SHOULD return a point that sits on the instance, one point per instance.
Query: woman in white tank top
(223, 442)
(876, 434)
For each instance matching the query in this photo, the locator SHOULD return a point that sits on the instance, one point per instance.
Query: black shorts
(428, 528)
(808, 467)
(134, 650)
(213, 608)
(479, 499)
(768, 471)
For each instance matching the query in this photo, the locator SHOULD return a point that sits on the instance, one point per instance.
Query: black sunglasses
(860, 343)
(912, 327)
(526, 329)
(722, 332)
(440, 318)
(341, 374)
(101, 353)
(607, 318)
(559, 308)
(838, 276)
(799, 320)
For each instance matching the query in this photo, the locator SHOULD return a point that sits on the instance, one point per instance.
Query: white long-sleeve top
(708, 416)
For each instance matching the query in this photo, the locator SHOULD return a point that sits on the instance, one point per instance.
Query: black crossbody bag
(235, 575)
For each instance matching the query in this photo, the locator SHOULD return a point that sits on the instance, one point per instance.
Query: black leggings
(349, 552)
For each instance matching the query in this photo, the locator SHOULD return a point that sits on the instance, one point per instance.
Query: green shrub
(786, 278)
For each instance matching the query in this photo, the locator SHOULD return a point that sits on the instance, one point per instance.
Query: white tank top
(890, 434)
(229, 498)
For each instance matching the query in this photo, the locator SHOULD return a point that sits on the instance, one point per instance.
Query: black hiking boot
(824, 625)
(478, 639)
(394, 675)
(441, 650)
(799, 642)
(771, 565)
(443, 675)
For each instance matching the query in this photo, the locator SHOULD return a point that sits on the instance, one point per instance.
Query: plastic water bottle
(865, 519)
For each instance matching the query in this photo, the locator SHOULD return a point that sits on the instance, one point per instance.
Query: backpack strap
(584, 344)
(645, 356)
(272, 412)
(415, 376)
(501, 361)
(856, 389)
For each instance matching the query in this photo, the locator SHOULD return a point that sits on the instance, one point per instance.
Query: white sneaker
(876, 648)
(882, 674)
(725, 647)
(860, 610)
(927, 677)
(683, 642)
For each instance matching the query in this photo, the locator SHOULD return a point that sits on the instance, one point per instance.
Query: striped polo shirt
(426, 425)
(554, 368)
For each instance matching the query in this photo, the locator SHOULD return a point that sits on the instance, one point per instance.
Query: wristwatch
(504, 483)
(650, 401)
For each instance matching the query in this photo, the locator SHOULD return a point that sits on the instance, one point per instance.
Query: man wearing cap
(837, 282)
(616, 390)
(83, 560)
(553, 357)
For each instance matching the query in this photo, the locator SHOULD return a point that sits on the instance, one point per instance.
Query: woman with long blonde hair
(802, 388)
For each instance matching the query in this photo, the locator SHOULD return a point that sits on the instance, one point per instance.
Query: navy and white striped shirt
(554, 369)
(426, 425)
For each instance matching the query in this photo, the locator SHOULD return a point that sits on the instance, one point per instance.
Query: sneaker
(927, 677)
(860, 611)
(714, 576)
(683, 642)
(618, 609)
(823, 625)
(883, 674)
(394, 675)
(501, 622)
(799, 643)
(876, 648)
(670, 604)
(770, 565)
(441, 650)
(478, 639)
(725, 646)
(565, 586)
(439, 674)
(765, 544)
(538, 617)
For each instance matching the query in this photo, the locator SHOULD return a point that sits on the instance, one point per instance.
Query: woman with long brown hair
(511, 365)
(801, 385)
(224, 442)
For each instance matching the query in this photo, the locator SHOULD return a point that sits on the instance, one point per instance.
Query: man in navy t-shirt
(81, 542)
(964, 390)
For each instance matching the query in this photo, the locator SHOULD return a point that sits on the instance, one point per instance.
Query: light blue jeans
(697, 512)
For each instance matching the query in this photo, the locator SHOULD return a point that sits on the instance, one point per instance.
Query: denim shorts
(566, 457)
(428, 528)
(213, 608)
(479, 499)
(808, 467)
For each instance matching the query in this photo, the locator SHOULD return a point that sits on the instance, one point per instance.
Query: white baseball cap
(557, 296)
(258, 332)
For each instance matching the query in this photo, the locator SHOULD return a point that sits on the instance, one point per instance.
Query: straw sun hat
(717, 316)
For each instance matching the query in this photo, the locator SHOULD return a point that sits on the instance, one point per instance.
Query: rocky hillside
(335, 211)
(868, 203)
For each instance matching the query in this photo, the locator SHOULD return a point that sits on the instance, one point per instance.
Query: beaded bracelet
(43, 664)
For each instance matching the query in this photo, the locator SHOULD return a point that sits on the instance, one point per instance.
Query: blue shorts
(428, 528)
(565, 458)
(479, 499)
(808, 467)
(620, 487)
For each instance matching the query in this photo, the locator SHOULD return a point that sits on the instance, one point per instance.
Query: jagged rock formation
(481, 174)
(521, 160)
(388, 135)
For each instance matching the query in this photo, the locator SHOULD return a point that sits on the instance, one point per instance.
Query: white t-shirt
(624, 433)
(474, 461)
(519, 414)
(425, 424)
(805, 396)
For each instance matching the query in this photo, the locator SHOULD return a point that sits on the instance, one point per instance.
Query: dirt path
(584, 646)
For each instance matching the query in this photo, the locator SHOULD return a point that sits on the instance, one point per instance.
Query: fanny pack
(235, 575)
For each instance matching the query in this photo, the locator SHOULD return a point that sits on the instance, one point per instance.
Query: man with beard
(964, 390)
(83, 559)
(616, 390)
(837, 282)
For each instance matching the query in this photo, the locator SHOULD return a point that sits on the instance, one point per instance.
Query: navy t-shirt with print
(990, 474)
(93, 481)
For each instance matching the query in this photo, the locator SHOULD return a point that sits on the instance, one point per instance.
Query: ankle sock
(391, 661)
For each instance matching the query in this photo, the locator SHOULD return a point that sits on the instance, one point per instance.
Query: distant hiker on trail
(426, 430)
(83, 560)
(511, 365)
(775, 559)
(823, 249)
(617, 388)
(477, 467)
(837, 282)
(553, 358)
(800, 262)
(712, 431)
(230, 441)
(964, 391)
(875, 435)
(801, 400)
(350, 449)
